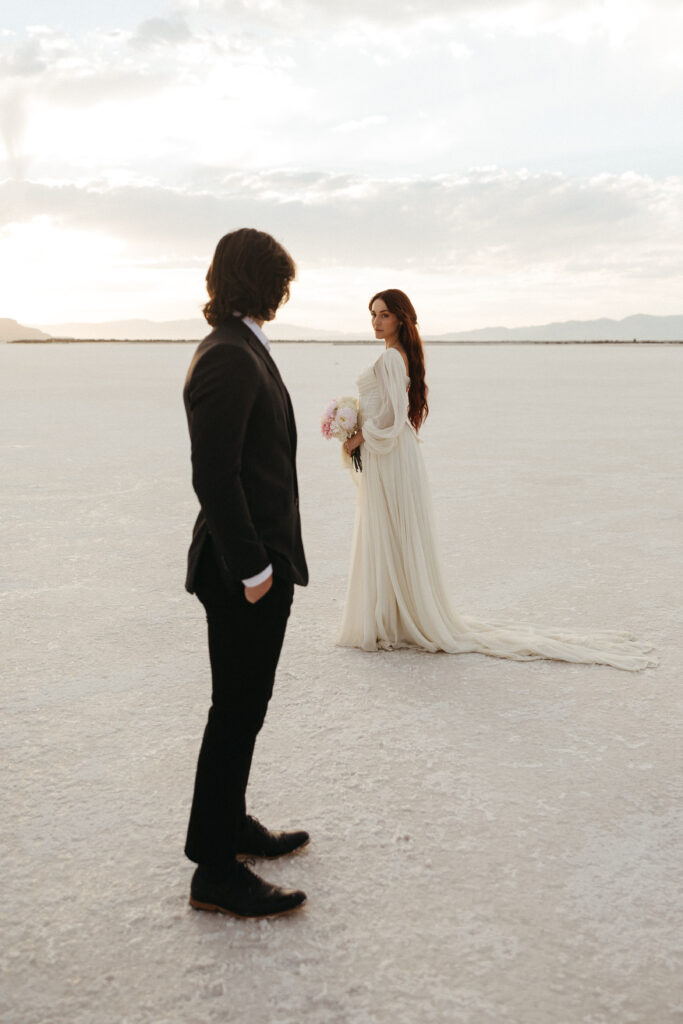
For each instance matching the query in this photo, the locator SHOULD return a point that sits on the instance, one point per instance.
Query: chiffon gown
(396, 593)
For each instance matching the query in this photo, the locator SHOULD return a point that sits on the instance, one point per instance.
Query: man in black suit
(245, 557)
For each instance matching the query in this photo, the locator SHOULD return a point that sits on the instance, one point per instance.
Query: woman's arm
(353, 442)
(381, 432)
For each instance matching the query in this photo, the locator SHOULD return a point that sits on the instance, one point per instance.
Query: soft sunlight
(343, 644)
(517, 162)
(55, 275)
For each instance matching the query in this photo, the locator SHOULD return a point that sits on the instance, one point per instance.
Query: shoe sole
(274, 856)
(213, 908)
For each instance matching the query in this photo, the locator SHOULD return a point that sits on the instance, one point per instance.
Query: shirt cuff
(254, 581)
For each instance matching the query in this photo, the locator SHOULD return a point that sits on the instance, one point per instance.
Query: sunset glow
(508, 166)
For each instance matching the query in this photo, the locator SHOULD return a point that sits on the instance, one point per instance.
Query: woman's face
(385, 324)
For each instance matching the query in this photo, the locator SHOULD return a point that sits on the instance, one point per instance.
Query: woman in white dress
(396, 593)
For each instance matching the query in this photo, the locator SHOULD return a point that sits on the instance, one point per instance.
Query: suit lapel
(262, 352)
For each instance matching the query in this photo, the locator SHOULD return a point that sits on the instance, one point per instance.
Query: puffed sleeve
(380, 432)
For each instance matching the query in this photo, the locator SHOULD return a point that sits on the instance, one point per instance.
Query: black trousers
(245, 641)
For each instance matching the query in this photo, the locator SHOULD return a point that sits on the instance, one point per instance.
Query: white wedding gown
(396, 593)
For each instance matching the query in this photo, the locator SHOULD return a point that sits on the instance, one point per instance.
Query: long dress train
(396, 593)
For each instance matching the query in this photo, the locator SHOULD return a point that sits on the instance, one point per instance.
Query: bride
(396, 593)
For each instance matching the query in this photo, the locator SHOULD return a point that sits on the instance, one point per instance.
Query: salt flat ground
(491, 841)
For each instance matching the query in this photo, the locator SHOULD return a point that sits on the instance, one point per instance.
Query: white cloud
(349, 134)
(82, 71)
(183, 92)
(160, 32)
(487, 215)
(13, 120)
(511, 230)
(525, 15)
(363, 124)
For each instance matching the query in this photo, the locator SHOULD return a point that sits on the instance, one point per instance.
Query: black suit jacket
(243, 439)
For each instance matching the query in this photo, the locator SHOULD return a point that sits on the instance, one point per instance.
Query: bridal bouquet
(340, 420)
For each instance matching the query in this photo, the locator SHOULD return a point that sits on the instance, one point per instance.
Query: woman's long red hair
(398, 303)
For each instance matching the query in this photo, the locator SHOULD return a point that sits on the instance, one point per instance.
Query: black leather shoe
(257, 840)
(243, 894)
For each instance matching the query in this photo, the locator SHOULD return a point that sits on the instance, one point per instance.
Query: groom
(245, 557)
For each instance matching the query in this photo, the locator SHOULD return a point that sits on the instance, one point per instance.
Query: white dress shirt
(266, 573)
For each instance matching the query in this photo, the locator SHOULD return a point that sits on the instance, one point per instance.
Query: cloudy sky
(503, 162)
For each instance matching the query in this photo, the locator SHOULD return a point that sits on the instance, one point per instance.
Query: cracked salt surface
(491, 841)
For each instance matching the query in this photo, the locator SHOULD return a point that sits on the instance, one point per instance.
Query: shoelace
(244, 868)
(256, 826)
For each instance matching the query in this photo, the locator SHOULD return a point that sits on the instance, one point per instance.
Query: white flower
(340, 418)
(346, 418)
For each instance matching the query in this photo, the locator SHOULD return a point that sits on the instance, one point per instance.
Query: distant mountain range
(156, 330)
(184, 330)
(633, 328)
(640, 327)
(10, 330)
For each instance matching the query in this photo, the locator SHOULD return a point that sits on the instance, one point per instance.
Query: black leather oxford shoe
(242, 893)
(257, 840)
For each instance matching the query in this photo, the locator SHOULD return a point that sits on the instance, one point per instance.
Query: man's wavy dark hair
(250, 274)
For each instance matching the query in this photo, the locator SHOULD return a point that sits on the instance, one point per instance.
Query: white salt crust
(491, 841)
